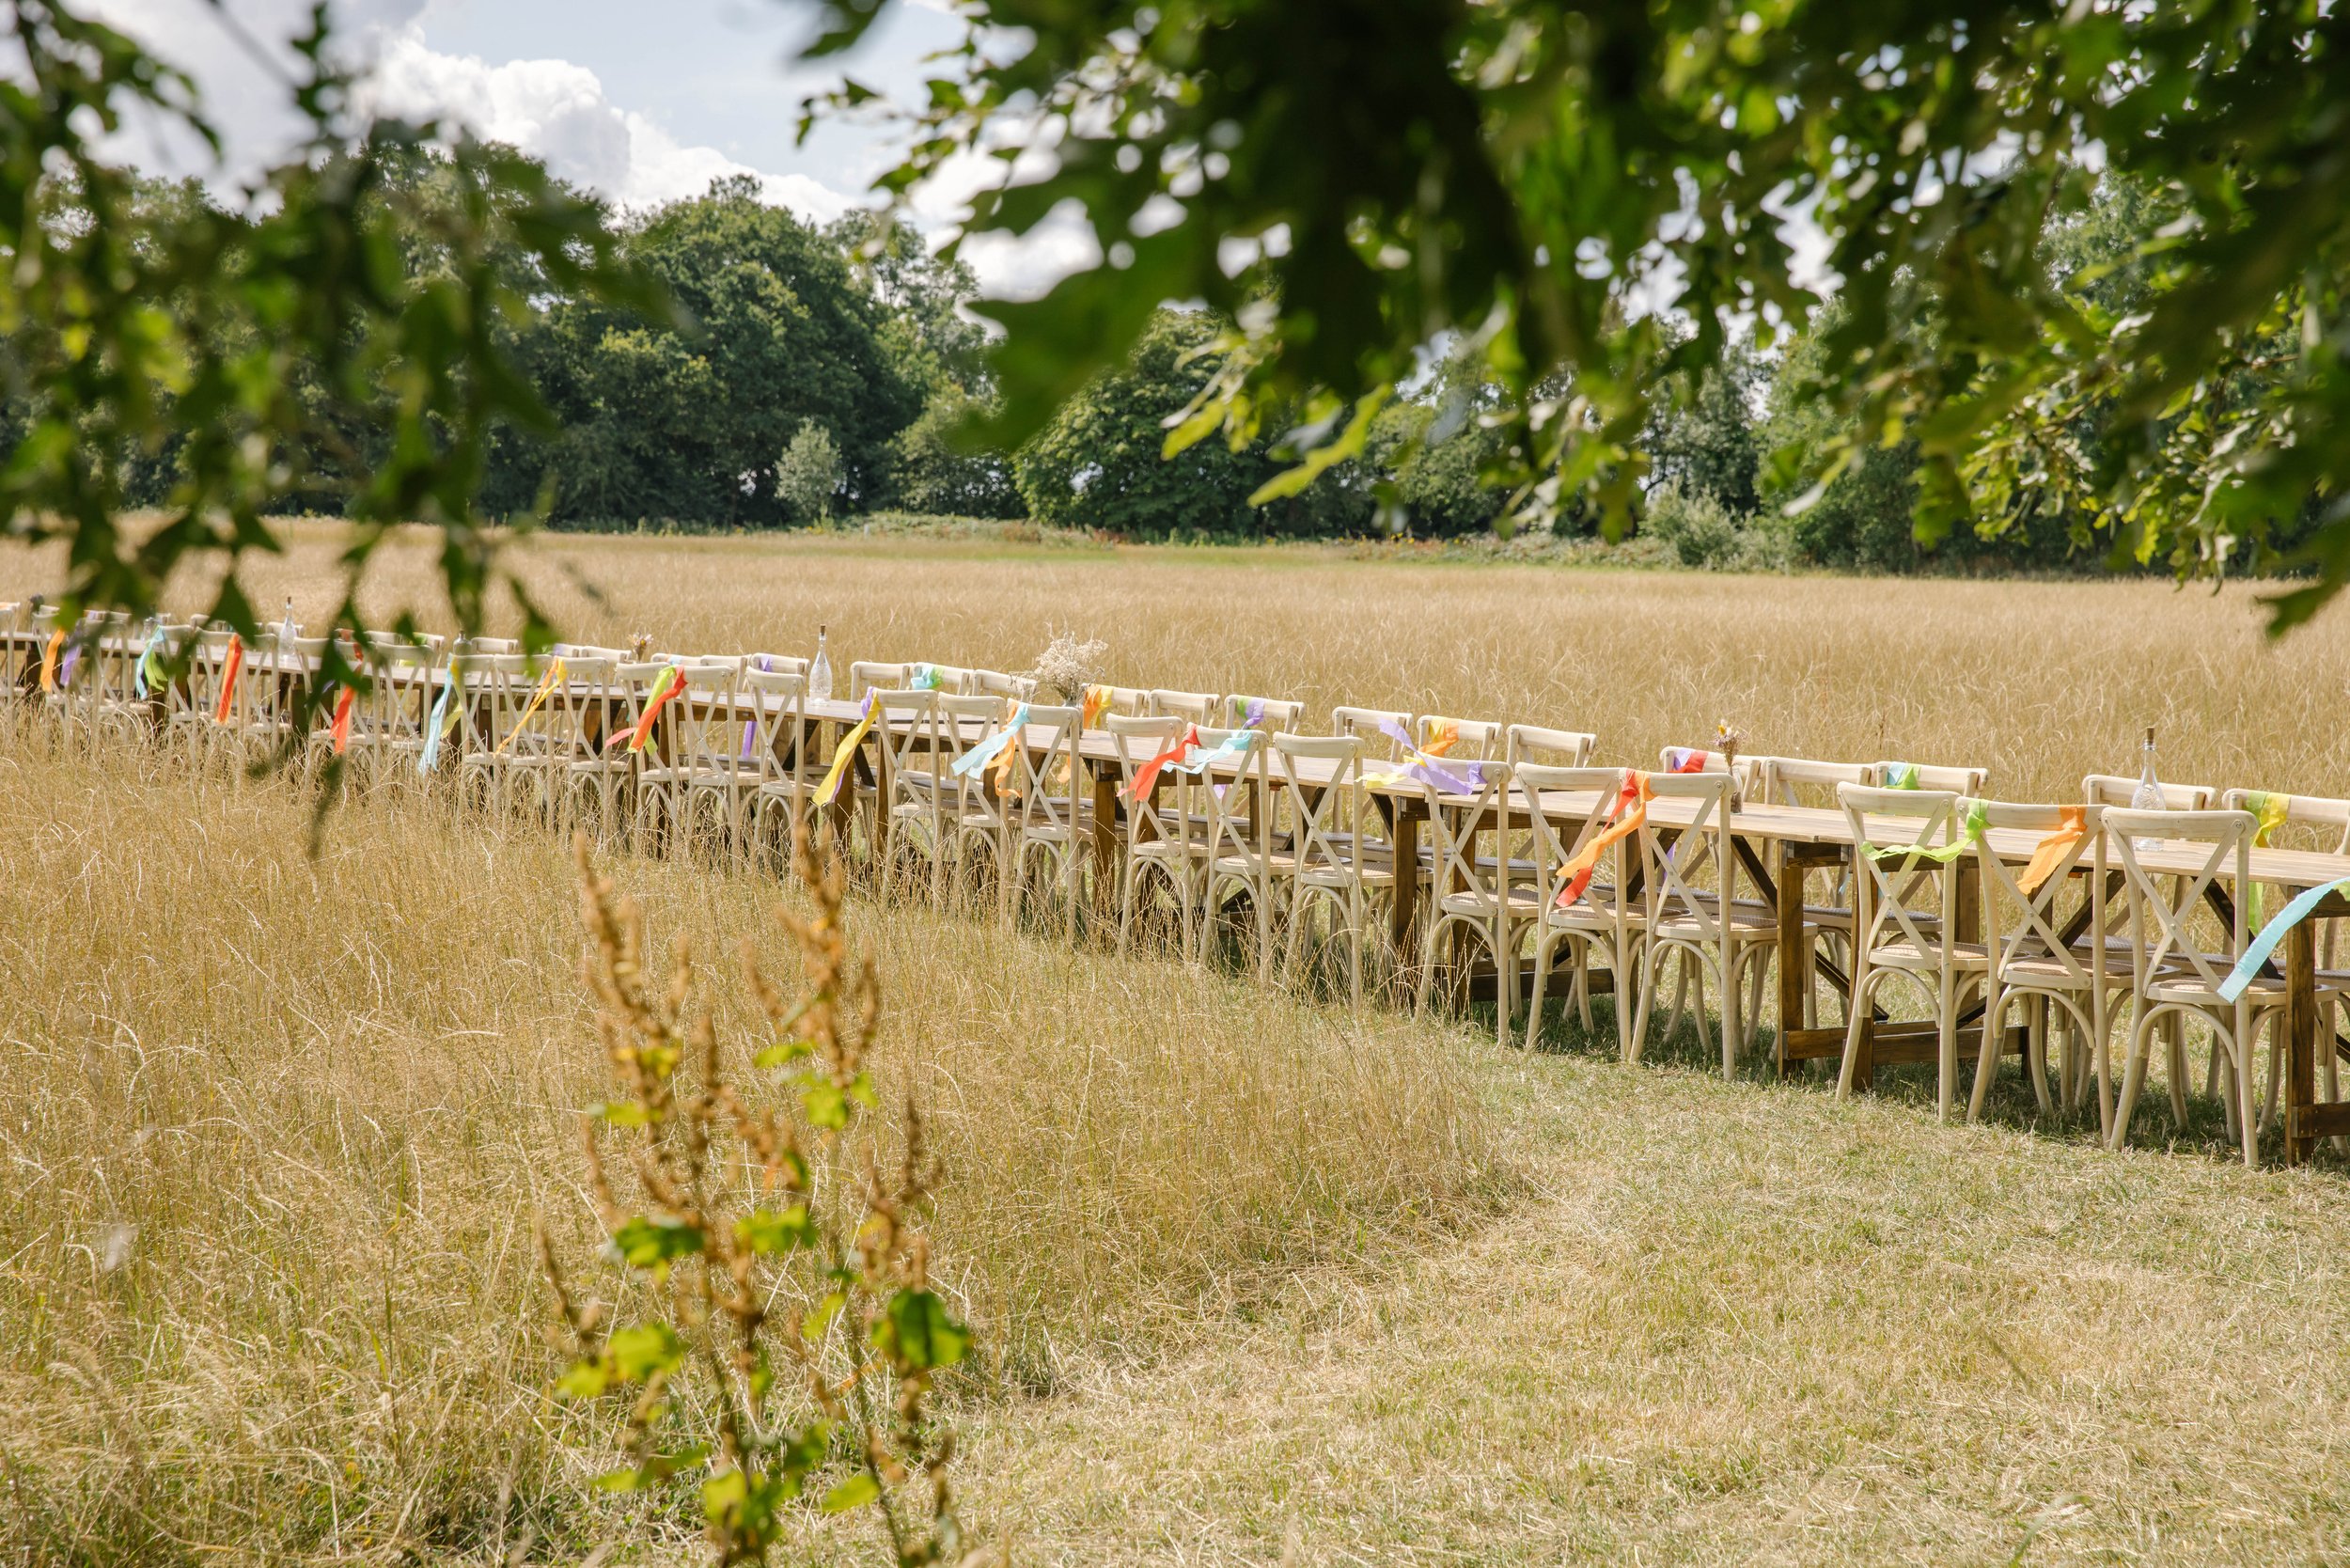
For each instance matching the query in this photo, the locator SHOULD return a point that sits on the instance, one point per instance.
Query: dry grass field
(1260, 1282)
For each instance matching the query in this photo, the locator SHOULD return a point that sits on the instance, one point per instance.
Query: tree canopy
(1356, 179)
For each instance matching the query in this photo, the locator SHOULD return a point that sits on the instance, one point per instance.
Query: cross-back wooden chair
(1589, 914)
(718, 723)
(388, 717)
(983, 832)
(2300, 821)
(1801, 782)
(1337, 861)
(916, 790)
(2173, 974)
(787, 772)
(1465, 740)
(1191, 707)
(1165, 846)
(1473, 899)
(1550, 748)
(593, 772)
(1053, 810)
(1691, 878)
(2033, 966)
(1239, 831)
(497, 685)
(1905, 920)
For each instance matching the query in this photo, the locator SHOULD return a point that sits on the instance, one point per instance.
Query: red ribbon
(661, 699)
(1629, 814)
(342, 727)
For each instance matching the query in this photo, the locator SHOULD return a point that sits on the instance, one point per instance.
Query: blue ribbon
(1230, 745)
(986, 751)
(434, 727)
(147, 656)
(2257, 955)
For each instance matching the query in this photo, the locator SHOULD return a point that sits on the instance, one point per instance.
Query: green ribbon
(1971, 829)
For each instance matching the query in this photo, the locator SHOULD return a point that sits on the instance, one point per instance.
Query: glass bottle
(820, 672)
(2148, 795)
(286, 629)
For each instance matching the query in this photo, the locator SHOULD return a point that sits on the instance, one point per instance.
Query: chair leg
(1547, 944)
(2133, 1075)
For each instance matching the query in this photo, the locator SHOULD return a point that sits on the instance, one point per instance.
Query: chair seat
(1933, 956)
(1372, 875)
(2041, 969)
(1749, 923)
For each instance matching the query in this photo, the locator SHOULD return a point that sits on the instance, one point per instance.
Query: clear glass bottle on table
(2148, 795)
(820, 672)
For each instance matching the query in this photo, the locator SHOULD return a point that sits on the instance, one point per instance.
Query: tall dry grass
(276, 1129)
(2038, 681)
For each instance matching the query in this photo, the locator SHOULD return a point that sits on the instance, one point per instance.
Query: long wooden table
(1800, 840)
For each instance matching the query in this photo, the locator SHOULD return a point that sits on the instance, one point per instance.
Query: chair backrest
(1132, 701)
(712, 718)
(1456, 824)
(1565, 748)
(1886, 887)
(1197, 707)
(401, 688)
(1052, 786)
(2022, 922)
(948, 680)
(1236, 827)
(583, 702)
(1164, 815)
(1690, 871)
(916, 742)
(570, 650)
(1560, 828)
(1691, 759)
(995, 682)
(776, 664)
(2325, 816)
(497, 686)
(1363, 724)
(1330, 819)
(778, 702)
(2165, 902)
(864, 676)
(1968, 782)
(1469, 739)
(492, 646)
(2112, 788)
(1779, 779)
(1267, 713)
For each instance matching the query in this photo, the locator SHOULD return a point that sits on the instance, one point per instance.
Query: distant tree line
(809, 373)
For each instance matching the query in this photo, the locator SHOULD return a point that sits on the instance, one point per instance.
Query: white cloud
(558, 111)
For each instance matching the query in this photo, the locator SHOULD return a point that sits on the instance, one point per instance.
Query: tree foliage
(1528, 175)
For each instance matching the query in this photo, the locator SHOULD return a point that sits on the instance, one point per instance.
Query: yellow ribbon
(546, 684)
(848, 742)
(2271, 809)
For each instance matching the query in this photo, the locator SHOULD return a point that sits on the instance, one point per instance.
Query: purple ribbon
(1463, 778)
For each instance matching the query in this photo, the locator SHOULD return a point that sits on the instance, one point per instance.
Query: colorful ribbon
(1970, 833)
(2271, 808)
(1626, 815)
(150, 665)
(1096, 703)
(1897, 776)
(665, 691)
(2050, 851)
(2273, 933)
(925, 678)
(1231, 746)
(547, 683)
(1685, 759)
(340, 728)
(228, 677)
(1425, 767)
(1249, 715)
(65, 670)
(1147, 776)
(846, 748)
(442, 720)
(989, 749)
(48, 661)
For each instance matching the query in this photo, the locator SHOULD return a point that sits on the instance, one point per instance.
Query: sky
(643, 103)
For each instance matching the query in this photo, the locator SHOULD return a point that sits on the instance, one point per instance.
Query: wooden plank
(2300, 1040)
(1795, 973)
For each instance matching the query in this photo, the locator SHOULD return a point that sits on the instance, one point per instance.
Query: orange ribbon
(228, 677)
(340, 728)
(1147, 776)
(1443, 735)
(1627, 815)
(49, 662)
(2050, 851)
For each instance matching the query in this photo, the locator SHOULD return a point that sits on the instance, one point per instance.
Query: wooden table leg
(1793, 971)
(1105, 836)
(1405, 915)
(2301, 1087)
